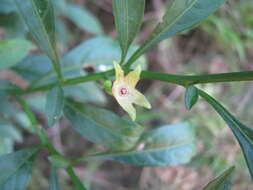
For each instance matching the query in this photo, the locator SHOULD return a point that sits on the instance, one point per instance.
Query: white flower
(124, 91)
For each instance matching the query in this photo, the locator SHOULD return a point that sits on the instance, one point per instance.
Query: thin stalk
(46, 142)
(183, 80)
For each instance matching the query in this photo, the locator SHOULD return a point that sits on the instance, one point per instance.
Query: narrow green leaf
(128, 16)
(40, 19)
(16, 169)
(180, 15)
(83, 19)
(102, 126)
(243, 134)
(222, 182)
(53, 180)
(165, 146)
(191, 97)
(54, 105)
(13, 51)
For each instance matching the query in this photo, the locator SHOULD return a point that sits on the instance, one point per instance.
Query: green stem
(46, 142)
(186, 80)
(78, 184)
(183, 80)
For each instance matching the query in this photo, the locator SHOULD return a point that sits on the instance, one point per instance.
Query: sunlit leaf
(165, 146)
(222, 182)
(128, 16)
(101, 126)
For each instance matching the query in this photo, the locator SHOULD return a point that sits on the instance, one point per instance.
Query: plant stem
(78, 184)
(46, 142)
(183, 80)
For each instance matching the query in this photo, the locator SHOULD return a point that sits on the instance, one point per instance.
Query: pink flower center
(123, 91)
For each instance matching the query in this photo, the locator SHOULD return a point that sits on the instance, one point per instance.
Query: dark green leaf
(128, 16)
(54, 105)
(39, 17)
(16, 169)
(180, 15)
(165, 146)
(102, 126)
(13, 51)
(83, 19)
(191, 97)
(222, 182)
(12, 23)
(243, 134)
(53, 180)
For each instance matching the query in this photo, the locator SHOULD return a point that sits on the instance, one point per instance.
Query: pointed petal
(119, 73)
(129, 108)
(133, 77)
(141, 100)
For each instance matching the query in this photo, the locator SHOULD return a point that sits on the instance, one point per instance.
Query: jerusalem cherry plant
(59, 87)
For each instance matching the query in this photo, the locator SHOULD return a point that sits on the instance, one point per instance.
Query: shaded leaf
(16, 169)
(12, 23)
(37, 69)
(13, 51)
(7, 6)
(83, 19)
(222, 182)
(9, 131)
(39, 17)
(102, 126)
(128, 16)
(180, 15)
(191, 97)
(99, 52)
(165, 146)
(54, 105)
(53, 180)
(243, 134)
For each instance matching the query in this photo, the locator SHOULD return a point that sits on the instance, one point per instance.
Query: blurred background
(221, 43)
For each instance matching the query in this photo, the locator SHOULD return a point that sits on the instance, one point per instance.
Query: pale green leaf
(13, 51)
(165, 146)
(83, 19)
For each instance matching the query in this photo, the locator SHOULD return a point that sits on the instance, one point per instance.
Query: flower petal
(129, 108)
(119, 73)
(133, 77)
(140, 99)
